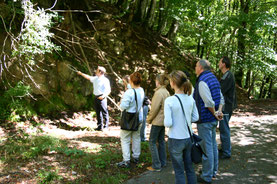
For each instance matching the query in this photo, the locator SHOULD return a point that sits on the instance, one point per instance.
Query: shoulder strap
(136, 100)
(185, 117)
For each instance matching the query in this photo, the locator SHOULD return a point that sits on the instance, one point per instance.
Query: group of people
(209, 102)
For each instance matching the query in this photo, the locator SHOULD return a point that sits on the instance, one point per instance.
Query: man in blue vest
(208, 98)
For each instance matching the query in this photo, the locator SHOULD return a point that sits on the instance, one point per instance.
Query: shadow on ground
(254, 152)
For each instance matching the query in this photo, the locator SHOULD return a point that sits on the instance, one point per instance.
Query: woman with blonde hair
(156, 118)
(129, 104)
(179, 142)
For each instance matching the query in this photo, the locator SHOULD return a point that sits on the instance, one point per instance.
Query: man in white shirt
(101, 89)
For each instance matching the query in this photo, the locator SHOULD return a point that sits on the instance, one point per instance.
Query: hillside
(93, 33)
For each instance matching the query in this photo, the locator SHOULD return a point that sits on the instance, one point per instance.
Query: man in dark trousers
(208, 100)
(228, 89)
(101, 89)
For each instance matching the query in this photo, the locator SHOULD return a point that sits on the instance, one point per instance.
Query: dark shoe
(224, 157)
(98, 129)
(135, 160)
(123, 164)
(201, 180)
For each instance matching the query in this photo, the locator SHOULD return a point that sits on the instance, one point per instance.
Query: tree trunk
(241, 41)
(251, 86)
(270, 88)
(133, 7)
(162, 16)
(198, 47)
(143, 8)
(262, 88)
(265, 89)
(139, 10)
(173, 30)
(151, 14)
(202, 51)
(275, 42)
(247, 80)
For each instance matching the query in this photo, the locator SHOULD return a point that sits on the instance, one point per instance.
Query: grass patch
(45, 176)
(25, 148)
(56, 161)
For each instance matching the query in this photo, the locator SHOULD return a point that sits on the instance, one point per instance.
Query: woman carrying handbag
(132, 102)
(179, 142)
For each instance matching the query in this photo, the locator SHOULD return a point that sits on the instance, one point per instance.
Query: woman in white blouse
(179, 142)
(128, 103)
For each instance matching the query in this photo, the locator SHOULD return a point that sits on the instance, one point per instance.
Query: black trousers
(102, 113)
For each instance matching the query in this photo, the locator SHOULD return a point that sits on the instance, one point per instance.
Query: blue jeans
(225, 135)
(157, 134)
(207, 131)
(143, 127)
(180, 153)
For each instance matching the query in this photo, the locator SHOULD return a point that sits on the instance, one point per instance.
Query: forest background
(44, 42)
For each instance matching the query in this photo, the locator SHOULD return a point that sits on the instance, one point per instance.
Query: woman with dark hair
(156, 118)
(179, 142)
(128, 103)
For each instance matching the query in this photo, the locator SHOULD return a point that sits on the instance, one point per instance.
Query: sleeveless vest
(204, 114)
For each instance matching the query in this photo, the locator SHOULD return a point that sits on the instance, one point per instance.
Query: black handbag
(198, 145)
(130, 121)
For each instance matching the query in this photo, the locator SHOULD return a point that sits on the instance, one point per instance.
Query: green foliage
(211, 29)
(72, 152)
(14, 104)
(35, 35)
(26, 148)
(48, 176)
(52, 105)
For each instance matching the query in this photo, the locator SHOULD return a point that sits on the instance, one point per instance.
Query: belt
(98, 95)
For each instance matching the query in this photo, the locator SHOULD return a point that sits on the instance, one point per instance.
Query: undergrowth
(86, 165)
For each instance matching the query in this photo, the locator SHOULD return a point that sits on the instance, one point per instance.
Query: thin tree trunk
(251, 86)
(151, 14)
(270, 88)
(144, 8)
(198, 47)
(247, 80)
(265, 89)
(262, 87)
(241, 42)
(133, 7)
(162, 16)
(138, 11)
(173, 30)
(202, 51)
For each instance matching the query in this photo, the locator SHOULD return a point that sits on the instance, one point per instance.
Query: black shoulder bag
(130, 121)
(198, 145)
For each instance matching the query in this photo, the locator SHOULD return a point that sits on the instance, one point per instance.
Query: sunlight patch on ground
(2, 135)
(227, 174)
(88, 146)
(251, 129)
(272, 177)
